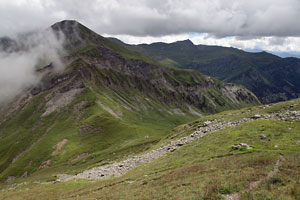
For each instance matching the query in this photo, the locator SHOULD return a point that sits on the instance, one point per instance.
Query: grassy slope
(145, 123)
(205, 169)
(112, 137)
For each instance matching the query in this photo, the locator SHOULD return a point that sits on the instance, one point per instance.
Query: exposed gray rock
(262, 136)
(207, 123)
(239, 146)
(244, 145)
(235, 147)
(256, 117)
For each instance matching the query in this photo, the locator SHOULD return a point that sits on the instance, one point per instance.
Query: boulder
(241, 145)
(262, 136)
(256, 117)
(245, 145)
(207, 123)
(235, 147)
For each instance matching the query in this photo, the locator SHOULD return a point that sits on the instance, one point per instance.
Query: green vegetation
(110, 103)
(271, 78)
(108, 137)
(206, 169)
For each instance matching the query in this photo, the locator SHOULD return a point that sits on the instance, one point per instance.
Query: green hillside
(108, 103)
(259, 72)
(206, 168)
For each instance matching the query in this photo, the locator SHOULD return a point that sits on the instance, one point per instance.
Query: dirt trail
(254, 184)
(119, 168)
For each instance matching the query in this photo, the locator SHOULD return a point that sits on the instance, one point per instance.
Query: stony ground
(119, 168)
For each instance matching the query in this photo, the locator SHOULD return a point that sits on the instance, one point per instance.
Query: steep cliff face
(108, 102)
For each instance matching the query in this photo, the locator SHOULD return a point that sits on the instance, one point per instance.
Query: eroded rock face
(60, 100)
(105, 67)
(48, 85)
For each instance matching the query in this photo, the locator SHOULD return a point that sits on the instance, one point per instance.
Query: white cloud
(18, 68)
(256, 24)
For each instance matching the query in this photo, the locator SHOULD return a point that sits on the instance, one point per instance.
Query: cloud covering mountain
(18, 64)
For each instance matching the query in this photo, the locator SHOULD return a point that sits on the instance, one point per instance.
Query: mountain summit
(109, 101)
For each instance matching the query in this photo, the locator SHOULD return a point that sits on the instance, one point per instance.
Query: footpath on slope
(253, 185)
(120, 168)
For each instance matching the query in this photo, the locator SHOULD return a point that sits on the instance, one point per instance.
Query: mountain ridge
(107, 103)
(230, 65)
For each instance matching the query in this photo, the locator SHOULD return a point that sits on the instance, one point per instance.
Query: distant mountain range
(270, 77)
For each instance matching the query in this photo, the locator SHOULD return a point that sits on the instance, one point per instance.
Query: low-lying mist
(22, 57)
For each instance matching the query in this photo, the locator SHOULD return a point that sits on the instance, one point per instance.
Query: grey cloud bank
(221, 18)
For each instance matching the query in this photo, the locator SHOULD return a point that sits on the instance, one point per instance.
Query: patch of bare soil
(58, 147)
(45, 164)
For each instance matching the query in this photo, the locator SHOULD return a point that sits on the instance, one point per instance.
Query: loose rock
(241, 145)
(235, 147)
(256, 117)
(245, 146)
(262, 136)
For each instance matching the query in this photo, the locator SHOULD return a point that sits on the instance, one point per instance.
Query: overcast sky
(271, 25)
